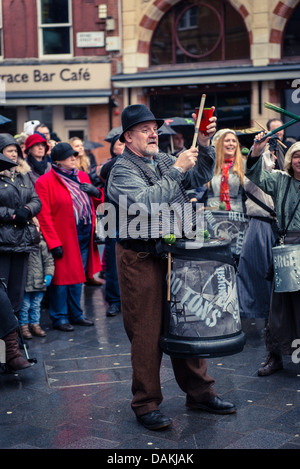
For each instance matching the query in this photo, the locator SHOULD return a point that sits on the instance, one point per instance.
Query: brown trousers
(141, 280)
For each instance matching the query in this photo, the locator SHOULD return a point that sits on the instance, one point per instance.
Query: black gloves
(21, 216)
(90, 190)
(57, 252)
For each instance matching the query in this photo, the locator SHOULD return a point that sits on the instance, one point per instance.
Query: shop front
(72, 99)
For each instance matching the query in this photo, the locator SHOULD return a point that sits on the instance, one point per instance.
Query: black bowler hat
(135, 114)
(6, 163)
(62, 151)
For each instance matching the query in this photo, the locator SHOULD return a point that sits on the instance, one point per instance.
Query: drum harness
(280, 233)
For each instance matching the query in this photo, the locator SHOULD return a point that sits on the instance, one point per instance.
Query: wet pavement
(78, 394)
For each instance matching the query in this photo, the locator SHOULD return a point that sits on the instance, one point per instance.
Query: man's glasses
(146, 131)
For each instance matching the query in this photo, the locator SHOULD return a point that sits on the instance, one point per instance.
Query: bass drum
(202, 317)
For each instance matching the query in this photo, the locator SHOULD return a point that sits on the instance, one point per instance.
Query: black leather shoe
(65, 327)
(113, 310)
(154, 420)
(84, 322)
(215, 405)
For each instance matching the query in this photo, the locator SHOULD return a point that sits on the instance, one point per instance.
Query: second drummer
(284, 187)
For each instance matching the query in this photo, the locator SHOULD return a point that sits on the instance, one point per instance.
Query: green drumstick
(282, 111)
(274, 131)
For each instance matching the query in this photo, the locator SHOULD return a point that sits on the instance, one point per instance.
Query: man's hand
(204, 140)
(259, 146)
(187, 159)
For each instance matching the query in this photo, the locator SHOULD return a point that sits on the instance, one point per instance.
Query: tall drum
(202, 318)
(229, 224)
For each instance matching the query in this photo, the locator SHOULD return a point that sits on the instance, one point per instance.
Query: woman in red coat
(67, 221)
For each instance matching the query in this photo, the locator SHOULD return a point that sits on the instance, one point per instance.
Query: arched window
(200, 31)
(291, 39)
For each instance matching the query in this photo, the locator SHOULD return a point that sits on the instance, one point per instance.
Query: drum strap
(261, 204)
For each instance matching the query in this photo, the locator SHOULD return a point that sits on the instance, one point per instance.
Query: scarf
(38, 166)
(224, 186)
(81, 202)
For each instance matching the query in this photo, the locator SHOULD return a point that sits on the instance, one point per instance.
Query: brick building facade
(76, 63)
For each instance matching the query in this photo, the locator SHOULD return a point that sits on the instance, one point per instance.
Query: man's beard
(153, 152)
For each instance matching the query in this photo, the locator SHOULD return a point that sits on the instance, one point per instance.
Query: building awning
(34, 98)
(237, 74)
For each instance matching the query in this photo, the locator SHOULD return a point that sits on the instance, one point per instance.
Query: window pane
(291, 44)
(199, 35)
(75, 113)
(54, 11)
(236, 36)
(161, 47)
(56, 40)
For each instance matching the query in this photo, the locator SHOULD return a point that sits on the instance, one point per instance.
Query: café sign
(56, 77)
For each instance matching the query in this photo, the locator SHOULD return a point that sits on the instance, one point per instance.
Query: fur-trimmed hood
(23, 167)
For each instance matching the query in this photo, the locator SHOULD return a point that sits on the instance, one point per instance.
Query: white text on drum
(287, 260)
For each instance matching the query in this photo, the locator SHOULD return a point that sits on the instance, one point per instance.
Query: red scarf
(224, 186)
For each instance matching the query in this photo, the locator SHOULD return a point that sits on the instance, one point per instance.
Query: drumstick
(282, 111)
(272, 132)
(266, 130)
(201, 107)
(169, 276)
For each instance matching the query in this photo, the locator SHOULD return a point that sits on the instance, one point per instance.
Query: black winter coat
(16, 192)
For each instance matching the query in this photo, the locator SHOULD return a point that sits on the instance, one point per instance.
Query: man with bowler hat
(147, 178)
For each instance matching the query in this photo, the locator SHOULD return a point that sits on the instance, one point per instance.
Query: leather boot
(273, 363)
(26, 332)
(37, 330)
(14, 358)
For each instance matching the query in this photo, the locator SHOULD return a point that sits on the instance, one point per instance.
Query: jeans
(30, 312)
(112, 291)
(64, 300)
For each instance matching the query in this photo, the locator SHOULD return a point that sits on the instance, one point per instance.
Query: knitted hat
(33, 139)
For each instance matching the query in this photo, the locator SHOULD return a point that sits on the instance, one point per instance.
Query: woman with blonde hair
(83, 161)
(226, 186)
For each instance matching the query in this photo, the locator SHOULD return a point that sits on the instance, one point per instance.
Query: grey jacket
(126, 180)
(40, 263)
(132, 185)
(274, 183)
